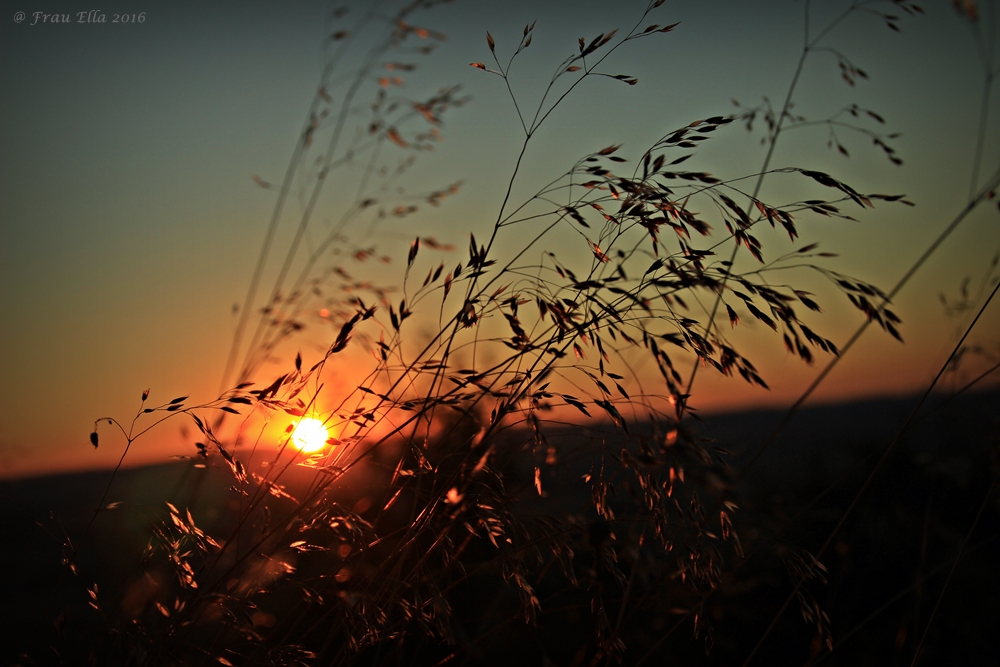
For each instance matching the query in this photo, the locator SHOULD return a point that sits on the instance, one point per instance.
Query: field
(884, 575)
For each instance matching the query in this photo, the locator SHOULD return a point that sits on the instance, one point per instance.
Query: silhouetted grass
(502, 484)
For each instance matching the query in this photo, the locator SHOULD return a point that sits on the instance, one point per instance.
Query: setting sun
(309, 435)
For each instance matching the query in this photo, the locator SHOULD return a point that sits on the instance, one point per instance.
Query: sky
(130, 220)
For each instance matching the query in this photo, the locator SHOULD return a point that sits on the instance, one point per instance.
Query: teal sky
(129, 221)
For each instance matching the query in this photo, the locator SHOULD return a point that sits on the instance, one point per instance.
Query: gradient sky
(130, 222)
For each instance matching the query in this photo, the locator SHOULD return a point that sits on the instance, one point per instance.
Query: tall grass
(504, 462)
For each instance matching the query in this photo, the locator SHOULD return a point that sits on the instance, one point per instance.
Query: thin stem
(872, 475)
(984, 114)
(951, 573)
(286, 184)
(787, 417)
(756, 191)
(896, 598)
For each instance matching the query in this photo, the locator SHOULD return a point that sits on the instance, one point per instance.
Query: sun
(309, 435)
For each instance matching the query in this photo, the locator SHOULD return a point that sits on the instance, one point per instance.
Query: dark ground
(886, 568)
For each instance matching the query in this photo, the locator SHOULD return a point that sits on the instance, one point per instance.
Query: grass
(503, 483)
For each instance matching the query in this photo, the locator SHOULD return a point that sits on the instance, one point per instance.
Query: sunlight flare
(309, 435)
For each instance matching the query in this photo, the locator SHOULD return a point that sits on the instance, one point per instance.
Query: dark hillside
(885, 569)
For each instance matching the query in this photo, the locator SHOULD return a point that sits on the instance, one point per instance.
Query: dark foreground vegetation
(883, 576)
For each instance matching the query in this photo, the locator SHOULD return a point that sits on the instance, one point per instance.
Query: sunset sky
(131, 222)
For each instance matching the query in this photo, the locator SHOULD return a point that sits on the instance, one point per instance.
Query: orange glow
(309, 435)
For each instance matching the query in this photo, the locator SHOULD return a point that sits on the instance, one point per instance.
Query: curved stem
(871, 476)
